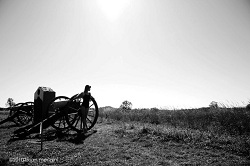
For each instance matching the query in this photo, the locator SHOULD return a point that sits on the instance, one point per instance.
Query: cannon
(66, 113)
(21, 114)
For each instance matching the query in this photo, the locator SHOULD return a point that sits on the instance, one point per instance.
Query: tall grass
(221, 128)
(233, 121)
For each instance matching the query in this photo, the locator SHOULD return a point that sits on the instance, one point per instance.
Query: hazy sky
(154, 53)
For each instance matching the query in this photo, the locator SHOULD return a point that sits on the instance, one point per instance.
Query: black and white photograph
(124, 82)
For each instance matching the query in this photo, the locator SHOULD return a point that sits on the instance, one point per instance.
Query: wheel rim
(74, 118)
(55, 106)
(26, 113)
(92, 114)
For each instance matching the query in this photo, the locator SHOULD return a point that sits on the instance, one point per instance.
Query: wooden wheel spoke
(74, 113)
(91, 105)
(64, 121)
(89, 120)
(73, 108)
(60, 121)
(77, 120)
(81, 125)
(71, 119)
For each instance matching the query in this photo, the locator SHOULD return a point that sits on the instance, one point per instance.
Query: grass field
(139, 137)
(233, 121)
(224, 127)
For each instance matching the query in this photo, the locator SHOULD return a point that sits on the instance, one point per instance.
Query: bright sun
(112, 9)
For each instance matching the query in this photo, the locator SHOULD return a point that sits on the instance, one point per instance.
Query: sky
(153, 53)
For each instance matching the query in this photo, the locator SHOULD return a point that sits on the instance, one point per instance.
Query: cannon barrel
(60, 104)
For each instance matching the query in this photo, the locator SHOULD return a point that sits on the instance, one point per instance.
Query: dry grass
(127, 142)
(233, 121)
(223, 128)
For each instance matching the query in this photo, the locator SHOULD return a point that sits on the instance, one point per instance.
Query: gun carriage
(21, 113)
(62, 113)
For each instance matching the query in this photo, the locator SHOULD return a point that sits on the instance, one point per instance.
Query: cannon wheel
(26, 111)
(13, 110)
(73, 116)
(60, 123)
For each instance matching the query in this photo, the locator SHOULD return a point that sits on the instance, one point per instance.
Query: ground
(113, 143)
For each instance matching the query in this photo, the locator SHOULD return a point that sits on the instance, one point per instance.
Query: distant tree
(10, 102)
(154, 109)
(213, 104)
(127, 105)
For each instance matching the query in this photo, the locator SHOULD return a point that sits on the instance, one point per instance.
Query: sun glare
(112, 9)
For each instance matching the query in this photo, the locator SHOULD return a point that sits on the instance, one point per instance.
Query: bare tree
(213, 104)
(10, 102)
